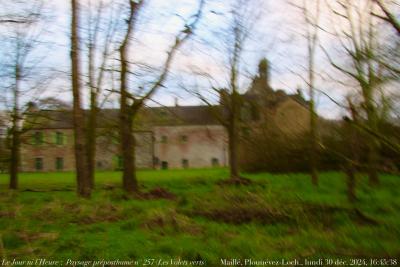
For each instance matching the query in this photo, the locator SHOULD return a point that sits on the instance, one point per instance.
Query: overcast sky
(277, 35)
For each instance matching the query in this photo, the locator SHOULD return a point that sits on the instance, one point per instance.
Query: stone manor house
(166, 137)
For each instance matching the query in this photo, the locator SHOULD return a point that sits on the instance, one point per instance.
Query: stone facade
(170, 137)
(108, 152)
(291, 117)
(275, 108)
(40, 151)
(191, 146)
(49, 150)
(166, 137)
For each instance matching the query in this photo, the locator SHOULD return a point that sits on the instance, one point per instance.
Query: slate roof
(148, 116)
(179, 115)
(49, 119)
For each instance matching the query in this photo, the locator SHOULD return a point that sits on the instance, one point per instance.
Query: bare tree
(360, 45)
(231, 100)
(353, 160)
(312, 23)
(83, 181)
(100, 32)
(130, 103)
(242, 18)
(21, 67)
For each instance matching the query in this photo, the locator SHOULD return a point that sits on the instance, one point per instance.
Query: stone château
(166, 137)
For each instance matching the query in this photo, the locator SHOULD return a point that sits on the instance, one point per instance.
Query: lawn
(276, 217)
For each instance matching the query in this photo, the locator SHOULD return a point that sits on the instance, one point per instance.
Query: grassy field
(278, 216)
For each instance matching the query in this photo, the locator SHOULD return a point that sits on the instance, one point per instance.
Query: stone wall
(292, 118)
(107, 156)
(48, 151)
(277, 142)
(190, 146)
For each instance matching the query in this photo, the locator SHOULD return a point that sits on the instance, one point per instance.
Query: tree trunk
(314, 144)
(233, 138)
(15, 151)
(15, 131)
(312, 42)
(369, 89)
(93, 108)
(91, 138)
(352, 142)
(373, 143)
(83, 182)
(350, 168)
(129, 180)
(127, 111)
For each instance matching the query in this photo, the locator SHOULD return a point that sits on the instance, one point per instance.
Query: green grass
(278, 216)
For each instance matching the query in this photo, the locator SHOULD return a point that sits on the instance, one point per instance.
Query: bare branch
(390, 18)
(179, 40)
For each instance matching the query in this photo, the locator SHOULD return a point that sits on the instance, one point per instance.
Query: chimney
(176, 102)
(264, 72)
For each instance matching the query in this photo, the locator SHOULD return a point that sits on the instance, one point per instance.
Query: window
(99, 164)
(164, 139)
(164, 165)
(120, 162)
(38, 138)
(115, 140)
(184, 138)
(246, 132)
(38, 164)
(156, 161)
(59, 138)
(245, 114)
(185, 163)
(215, 162)
(255, 113)
(117, 162)
(59, 164)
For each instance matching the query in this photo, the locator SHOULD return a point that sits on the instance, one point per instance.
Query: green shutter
(59, 164)
(38, 164)
(117, 162)
(37, 138)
